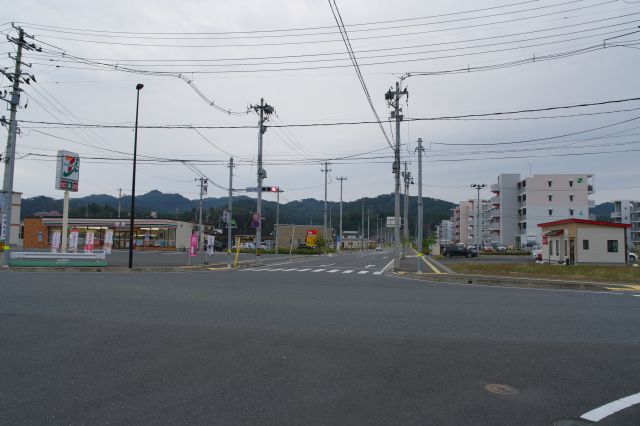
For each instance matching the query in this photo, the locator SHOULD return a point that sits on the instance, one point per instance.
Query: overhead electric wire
(354, 61)
(386, 36)
(343, 123)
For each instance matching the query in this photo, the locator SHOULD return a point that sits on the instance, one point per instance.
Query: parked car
(474, 247)
(536, 255)
(378, 248)
(633, 258)
(457, 250)
(487, 248)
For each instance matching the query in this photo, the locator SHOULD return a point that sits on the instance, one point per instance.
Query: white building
(627, 211)
(503, 210)
(551, 197)
(464, 221)
(445, 232)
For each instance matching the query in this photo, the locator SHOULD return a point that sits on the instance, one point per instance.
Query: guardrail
(57, 259)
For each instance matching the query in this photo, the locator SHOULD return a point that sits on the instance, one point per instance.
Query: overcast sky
(188, 37)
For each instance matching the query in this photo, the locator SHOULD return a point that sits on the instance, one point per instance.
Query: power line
(354, 61)
(343, 123)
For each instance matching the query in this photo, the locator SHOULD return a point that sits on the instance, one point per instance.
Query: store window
(612, 246)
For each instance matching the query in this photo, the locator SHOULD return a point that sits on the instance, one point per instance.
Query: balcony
(495, 188)
(495, 213)
(494, 227)
(495, 201)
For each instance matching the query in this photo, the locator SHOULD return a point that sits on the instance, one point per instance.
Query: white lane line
(274, 269)
(348, 271)
(328, 264)
(369, 266)
(611, 408)
(292, 269)
(333, 270)
(303, 270)
(636, 295)
(377, 273)
(362, 272)
(387, 265)
(319, 270)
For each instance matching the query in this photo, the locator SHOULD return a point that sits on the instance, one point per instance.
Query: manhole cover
(501, 389)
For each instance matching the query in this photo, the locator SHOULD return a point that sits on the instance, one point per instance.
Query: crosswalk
(316, 270)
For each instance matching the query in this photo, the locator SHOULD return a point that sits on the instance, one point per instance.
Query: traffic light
(269, 189)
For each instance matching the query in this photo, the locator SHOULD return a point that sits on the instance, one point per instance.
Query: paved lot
(301, 347)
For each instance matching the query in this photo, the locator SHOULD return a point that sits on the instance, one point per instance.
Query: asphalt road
(175, 258)
(285, 345)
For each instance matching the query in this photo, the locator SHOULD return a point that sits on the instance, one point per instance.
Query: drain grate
(501, 389)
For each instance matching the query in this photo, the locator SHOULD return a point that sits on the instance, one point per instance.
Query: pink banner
(193, 249)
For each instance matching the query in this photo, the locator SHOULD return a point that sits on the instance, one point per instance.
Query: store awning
(555, 233)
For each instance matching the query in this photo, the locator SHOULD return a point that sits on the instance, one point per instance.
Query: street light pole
(341, 179)
(139, 87)
(477, 231)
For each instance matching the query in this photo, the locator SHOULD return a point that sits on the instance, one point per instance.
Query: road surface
(300, 343)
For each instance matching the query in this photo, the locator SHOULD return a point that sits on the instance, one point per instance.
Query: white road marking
(348, 271)
(303, 270)
(611, 408)
(319, 270)
(377, 273)
(388, 264)
(274, 269)
(292, 269)
(636, 295)
(370, 266)
(333, 270)
(328, 264)
(362, 272)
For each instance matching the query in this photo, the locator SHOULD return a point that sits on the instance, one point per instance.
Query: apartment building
(519, 205)
(445, 232)
(551, 197)
(628, 212)
(465, 222)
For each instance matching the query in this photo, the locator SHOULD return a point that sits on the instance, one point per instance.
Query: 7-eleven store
(149, 234)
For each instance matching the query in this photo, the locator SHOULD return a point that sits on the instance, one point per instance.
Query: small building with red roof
(573, 241)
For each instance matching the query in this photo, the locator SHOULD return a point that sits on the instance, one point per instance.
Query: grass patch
(608, 274)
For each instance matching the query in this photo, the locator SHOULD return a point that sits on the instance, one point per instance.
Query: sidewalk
(436, 271)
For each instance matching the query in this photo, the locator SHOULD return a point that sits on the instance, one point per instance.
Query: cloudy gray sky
(290, 53)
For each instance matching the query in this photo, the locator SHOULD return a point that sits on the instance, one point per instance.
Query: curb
(501, 281)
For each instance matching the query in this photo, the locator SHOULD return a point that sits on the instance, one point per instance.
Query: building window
(550, 182)
(551, 249)
(571, 183)
(557, 247)
(570, 212)
(585, 244)
(612, 246)
(550, 212)
(550, 197)
(571, 197)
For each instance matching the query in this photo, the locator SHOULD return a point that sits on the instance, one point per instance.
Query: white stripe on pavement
(276, 269)
(348, 271)
(613, 407)
(377, 273)
(303, 270)
(292, 269)
(318, 270)
(333, 270)
(362, 272)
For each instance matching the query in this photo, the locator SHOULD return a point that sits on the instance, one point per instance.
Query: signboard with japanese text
(108, 241)
(312, 238)
(193, 247)
(55, 241)
(211, 240)
(73, 241)
(67, 171)
(88, 242)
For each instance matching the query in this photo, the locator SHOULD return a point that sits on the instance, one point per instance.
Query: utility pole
(119, 200)
(264, 111)
(477, 231)
(393, 99)
(362, 228)
(368, 235)
(326, 171)
(341, 179)
(420, 149)
(10, 153)
(230, 214)
(407, 180)
(203, 190)
(277, 217)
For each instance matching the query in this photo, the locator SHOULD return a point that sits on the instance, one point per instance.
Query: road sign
(225, 216)
(255, 224)
(255, 216)
(253, 189)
